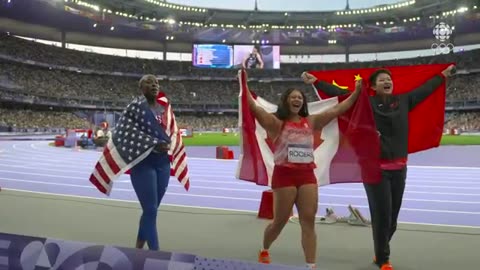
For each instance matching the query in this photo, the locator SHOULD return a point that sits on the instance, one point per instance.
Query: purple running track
(445, 194)
(450, 155)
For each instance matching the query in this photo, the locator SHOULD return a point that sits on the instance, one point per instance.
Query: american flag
(134, 138)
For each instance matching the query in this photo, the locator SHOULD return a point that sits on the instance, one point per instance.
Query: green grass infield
(232, 139)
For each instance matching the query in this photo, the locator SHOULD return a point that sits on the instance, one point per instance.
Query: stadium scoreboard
(229, 56)
(213, 56)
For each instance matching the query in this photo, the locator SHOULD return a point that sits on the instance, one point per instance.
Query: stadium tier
(62, 79)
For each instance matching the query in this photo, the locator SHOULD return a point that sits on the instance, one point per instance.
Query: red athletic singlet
(293, 155)
(294, 145)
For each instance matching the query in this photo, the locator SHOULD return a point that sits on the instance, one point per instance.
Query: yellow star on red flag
(357, 78)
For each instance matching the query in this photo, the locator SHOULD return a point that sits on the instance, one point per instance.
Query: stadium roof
(382, 28)
(203, 16)
(283, 5)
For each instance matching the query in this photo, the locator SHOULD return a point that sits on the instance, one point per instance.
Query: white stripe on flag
(102, 181)
(240, 124)
(267, 154)
(169, 120)
(179, 156)
(106, 168)
(316, 92)
(177, 165)
(261, 134)
(325, 153)
(174, 145)
(185, 179)
(116, 156)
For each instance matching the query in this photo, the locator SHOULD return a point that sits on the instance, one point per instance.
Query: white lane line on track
(194, 172)
(74, 169)
(206, 208)
(55, 157)
(230, 160)
(459, 173)
(321, 204)
(240, 183)
(87, 175)
(238, 198)
(81, 159)
(81, 178)
(234, 160)
(96, 154)
(407, 190)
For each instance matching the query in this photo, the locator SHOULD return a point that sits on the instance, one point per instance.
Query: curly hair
(283, 111)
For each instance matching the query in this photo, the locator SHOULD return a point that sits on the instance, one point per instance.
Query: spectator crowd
(30, 50)
(34, 119)
(34, 83)
(463, 121)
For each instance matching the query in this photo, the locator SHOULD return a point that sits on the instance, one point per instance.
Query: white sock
(311, 265)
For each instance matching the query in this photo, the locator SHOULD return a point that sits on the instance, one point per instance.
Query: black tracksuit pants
(385, 200)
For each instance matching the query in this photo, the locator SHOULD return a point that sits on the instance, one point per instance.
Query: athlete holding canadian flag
(291, 131)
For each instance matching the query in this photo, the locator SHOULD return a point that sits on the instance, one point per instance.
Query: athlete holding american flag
(147, 142)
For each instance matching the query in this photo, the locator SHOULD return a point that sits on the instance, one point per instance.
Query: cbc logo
(442, 32)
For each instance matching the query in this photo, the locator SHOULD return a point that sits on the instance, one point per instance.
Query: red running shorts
(292, 177)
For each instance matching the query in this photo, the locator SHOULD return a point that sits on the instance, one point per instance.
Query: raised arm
(244, 62)
(260, 59)
(323, 86)
(267, 120)
(322, 119)
(421, 93)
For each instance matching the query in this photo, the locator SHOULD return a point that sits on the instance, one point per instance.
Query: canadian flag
(346, 150)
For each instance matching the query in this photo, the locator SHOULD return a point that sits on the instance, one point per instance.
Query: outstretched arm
(325, 87)
(320, 120)
(267, 120)
(421, 93)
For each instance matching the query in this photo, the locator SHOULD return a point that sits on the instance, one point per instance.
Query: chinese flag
(426, 120)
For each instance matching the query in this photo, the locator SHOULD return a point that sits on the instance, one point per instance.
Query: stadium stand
(42, 80)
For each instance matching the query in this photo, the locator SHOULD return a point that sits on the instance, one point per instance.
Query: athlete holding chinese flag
(391, 113)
